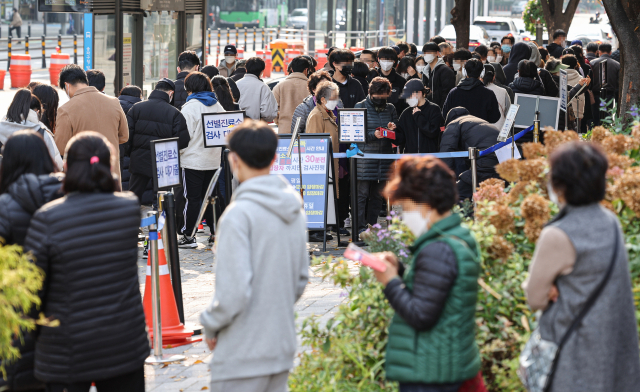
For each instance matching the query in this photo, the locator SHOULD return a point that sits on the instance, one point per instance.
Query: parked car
(497, 27)
(518, 8)
(298, 19)
(477, 36)
(588, 33)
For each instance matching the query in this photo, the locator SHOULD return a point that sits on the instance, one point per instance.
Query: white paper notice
(504, 153)
(352, 125)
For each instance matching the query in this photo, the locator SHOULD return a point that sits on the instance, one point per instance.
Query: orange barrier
(58, 61)
(267, 60)
(20, 70)
(291, 54)
(173, 331)
(321, 57)
(3, 73)
(240, 53)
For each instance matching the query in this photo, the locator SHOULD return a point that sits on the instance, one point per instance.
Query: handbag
(539, 359)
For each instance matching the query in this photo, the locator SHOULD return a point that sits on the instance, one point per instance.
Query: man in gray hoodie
(261, 271)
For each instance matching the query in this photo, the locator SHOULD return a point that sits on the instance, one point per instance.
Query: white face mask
(428, 58)
(386, 65)
(405, 75)
(456, 67)
(420, 68)
(413, 102)
(416, 222)
(552, 195)
(331, 104)
(498, 58)
(229, 59)
(491, 59)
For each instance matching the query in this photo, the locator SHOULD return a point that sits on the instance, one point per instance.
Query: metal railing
(10, 46)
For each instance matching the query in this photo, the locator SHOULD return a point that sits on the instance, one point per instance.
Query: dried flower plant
(533, 150)
(532, 169)
(599, 133)
(500, 249)
(509, 170)
(535, 208)
(553, 139)
(616, 144)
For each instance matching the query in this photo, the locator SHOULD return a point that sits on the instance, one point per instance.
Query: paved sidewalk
(198, 282)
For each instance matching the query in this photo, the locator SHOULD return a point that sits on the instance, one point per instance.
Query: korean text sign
(352, 124)
(216, 126)
(315, 164)
(165, 160)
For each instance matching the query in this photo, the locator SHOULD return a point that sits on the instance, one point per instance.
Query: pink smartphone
(356, 253)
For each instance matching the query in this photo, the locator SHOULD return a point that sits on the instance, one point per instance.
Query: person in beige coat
(16, 22)
(89, 110)
(291, 92)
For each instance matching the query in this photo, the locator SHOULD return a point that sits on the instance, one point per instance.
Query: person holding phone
(431, 343)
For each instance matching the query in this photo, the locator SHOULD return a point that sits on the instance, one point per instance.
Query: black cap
(169, 82)
(411, 87)
(430, 47)
(397, 49)
(230, 49)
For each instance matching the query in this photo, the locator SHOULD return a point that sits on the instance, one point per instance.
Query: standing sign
(508, 122)
(127, 55)
(316, 163)
(216, 126)
(563, 90)
(88, 42)
(352, 125)
(165, 162)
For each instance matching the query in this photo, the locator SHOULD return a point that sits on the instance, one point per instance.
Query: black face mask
(379, 102)
(346, 70)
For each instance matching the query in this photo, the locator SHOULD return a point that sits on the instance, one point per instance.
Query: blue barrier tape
(502, 144)
(148, 221)
(153, 235)
(460, 154)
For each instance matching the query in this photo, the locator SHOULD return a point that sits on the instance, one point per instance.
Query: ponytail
(88, 158)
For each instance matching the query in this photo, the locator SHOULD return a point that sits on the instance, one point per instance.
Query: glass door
(159, 49)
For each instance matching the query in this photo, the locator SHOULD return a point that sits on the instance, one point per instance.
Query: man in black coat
(611, 89)
(188, 62)
(388, 60)
(555, 48)
(519, 51)
(439, 78)
(351, 91)
(472, 95)
(463, 131)
(418, 129)
(151, 120)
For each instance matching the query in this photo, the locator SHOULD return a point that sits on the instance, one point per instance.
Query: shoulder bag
(539, 358)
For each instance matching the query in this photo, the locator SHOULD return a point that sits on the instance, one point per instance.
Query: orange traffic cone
(173, 331)
(200, 228)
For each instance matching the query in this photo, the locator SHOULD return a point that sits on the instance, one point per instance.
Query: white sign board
(563, 90)
(165, 160)
(216, 127)
(352, 125)
(508, 122)
(504, 153)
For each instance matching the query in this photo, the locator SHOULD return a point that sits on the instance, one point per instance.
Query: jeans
(195, 183)
(369, 202)
(130, 382)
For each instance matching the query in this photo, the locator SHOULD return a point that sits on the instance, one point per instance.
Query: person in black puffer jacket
(188, 62)
(151, 120)
(463, 131)
(520, 51)
(129, 96)
(372, 173)
(86, 242)
(26, 183)
(527, 82)
(472, 95)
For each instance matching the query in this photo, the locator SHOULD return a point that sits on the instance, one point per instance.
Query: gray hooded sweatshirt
(261, 270)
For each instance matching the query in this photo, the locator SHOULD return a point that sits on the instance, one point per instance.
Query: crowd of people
(63, 170)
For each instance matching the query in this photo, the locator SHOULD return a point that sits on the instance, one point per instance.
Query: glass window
(104, 52)
(194, 33)
(496, 26)
(160, 55)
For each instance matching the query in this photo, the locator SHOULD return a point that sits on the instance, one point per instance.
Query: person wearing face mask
(487, 56)
(388, 59)
(407, 68)
(418, 129)
(555, 48)
(88, 109)
(421, 66)
(581, 249)
(472, 95)
(520, 51)
(370, 57)
(372, 173)
(437, 76)
(460, 58)
(228, 64)
(550, 88)
(431, 344)
(463, 131)
(351, 92)
(149, 120)
(291, 92)
(360, 73)
(255, 96)
(506, 45)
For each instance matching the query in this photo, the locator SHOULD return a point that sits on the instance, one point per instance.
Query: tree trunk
(624, 18)
(555, 18)
(460, 19)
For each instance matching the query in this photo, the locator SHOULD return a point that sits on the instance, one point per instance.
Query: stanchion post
(8, 52)
(75, 49)
(354, 200)
(157, 356)
(473, 156)
(26, 45)
(536, 129)
(44, 55)
(171, 249)
(227, 176)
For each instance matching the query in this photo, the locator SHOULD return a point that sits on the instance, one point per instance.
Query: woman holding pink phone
(431, 343)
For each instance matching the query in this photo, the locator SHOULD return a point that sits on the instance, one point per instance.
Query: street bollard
(29, 30)
(75, 49)
(209, 40)
(8, 52)
(218, 43)
(157, 356)
(254, 39)
(44, 56)
(262, 41)
(59, 43)
(170, 239)
(26, 45)
(245, 39)
(278, 34)
(237, 38)
(228, 36)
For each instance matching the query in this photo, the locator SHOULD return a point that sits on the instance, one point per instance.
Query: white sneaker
(347, 222)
